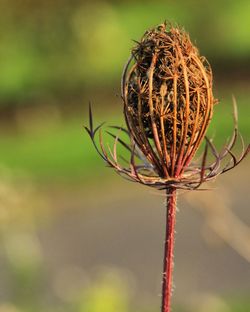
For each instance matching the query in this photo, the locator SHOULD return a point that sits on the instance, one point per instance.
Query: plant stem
(168, 249)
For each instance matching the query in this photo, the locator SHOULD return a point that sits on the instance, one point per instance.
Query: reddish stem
(168, 250)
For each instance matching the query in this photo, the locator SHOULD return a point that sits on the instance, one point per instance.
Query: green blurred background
(73, 235)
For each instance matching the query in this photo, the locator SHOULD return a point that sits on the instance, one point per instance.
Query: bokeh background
(73, 235)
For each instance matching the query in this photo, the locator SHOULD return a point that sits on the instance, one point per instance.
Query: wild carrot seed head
(168, 100)
(168, 103)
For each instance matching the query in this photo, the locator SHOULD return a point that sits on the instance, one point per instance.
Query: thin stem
(168, 250)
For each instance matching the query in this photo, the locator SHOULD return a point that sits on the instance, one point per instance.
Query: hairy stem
(168, 250)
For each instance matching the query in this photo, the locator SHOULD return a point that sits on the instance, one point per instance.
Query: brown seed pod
(168, 103)
(168, 100)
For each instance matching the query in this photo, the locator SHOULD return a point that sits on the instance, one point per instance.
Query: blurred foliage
(59, 47)
(110, 294)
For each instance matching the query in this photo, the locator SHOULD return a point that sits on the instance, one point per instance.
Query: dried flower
(168, 103)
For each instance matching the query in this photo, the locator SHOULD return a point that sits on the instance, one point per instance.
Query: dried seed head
(168, 103)
(168, 100)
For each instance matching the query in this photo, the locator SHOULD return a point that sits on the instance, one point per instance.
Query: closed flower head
(168, 103)
(167, 92)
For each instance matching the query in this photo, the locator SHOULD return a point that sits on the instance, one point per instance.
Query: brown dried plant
(168, 103)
